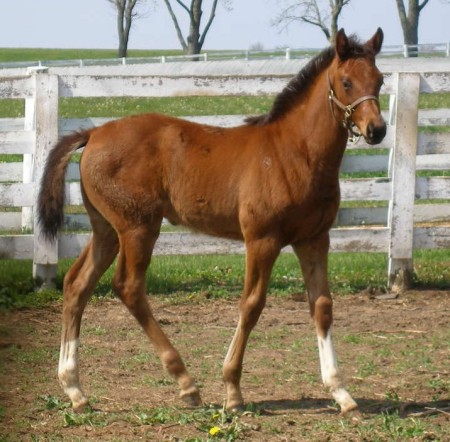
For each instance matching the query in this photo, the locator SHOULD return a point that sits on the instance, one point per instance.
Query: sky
(92, 24)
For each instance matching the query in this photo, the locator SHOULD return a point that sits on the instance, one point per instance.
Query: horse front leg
(260, 257)
(313, 258)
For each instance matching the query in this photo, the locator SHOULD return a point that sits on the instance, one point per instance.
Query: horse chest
(314, 216)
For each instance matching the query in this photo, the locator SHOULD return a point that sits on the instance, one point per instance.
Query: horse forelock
(356, 49)
(297, 86)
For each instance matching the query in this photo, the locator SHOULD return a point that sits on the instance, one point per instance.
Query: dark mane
(296, 88)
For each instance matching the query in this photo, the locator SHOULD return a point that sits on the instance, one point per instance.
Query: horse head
(354, 85)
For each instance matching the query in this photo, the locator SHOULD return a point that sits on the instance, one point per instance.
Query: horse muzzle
(375, 133)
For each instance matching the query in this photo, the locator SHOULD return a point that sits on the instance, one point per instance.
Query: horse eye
(347, 84)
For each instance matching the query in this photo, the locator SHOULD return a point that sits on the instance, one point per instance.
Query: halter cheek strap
(347, 122)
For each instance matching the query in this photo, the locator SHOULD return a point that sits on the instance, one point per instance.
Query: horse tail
(51, 195)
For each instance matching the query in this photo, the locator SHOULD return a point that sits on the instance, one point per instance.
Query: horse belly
(203, 212)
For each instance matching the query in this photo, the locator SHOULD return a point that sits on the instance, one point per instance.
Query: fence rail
(397, 224)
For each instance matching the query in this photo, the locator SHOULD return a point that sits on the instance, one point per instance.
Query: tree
(314, 13)
(410, 22)
(196, 37)
(126, 14)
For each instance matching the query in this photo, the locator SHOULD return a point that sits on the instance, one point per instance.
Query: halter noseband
(347, 122)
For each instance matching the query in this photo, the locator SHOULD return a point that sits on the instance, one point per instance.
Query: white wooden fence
(397, 229)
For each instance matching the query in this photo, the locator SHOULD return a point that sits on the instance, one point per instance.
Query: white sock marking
(68, 372)
(329, 371)
(328, 362)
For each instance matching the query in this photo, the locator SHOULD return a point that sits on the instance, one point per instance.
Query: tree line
(323, 14)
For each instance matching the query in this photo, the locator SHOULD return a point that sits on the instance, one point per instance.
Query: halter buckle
(348, 113)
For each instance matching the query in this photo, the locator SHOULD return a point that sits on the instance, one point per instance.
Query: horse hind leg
(79, 284)
(136, 248)
(313, 260)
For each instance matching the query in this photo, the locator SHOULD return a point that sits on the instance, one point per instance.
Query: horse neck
(316, 129)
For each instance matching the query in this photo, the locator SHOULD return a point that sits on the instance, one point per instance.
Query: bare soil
(394, 354)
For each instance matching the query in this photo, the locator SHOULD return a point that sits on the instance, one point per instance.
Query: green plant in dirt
(216, 423)
(366, 367)
(95, 330)
(160, 415)
(439, 386)
(401, 429)
(221, 425)
(89, 418)
(352, 339)
(392, 396)
(53, 403)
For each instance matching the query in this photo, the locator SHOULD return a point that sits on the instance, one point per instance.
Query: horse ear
(376, 41)
(341, 44)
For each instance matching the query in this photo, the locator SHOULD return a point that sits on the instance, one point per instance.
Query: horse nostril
(376, 133)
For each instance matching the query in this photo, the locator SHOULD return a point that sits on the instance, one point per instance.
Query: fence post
(405, 51)
(403, 174)
(28, 162)
(46, 101)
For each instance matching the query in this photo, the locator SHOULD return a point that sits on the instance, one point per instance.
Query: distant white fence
(429, 49)
(397, 229)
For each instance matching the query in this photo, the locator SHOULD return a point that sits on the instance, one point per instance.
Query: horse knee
(322, 313)
(251, 309)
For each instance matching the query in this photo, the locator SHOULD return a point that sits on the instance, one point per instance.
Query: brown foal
(270, 182)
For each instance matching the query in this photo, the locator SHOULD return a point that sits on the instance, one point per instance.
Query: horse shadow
(317, 406)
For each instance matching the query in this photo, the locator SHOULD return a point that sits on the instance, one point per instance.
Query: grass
(36, 54)
(180, 106)
(119, 107)
(175, 106)
(186, 278)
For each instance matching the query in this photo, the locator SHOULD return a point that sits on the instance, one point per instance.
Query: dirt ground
(394, 354)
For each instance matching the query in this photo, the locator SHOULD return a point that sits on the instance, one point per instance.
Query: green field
(222, 276)
(36, 54)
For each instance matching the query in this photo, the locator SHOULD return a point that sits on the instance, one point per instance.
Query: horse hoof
(191, 398)
(352, 413)
(236, 408)
(81, 407)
